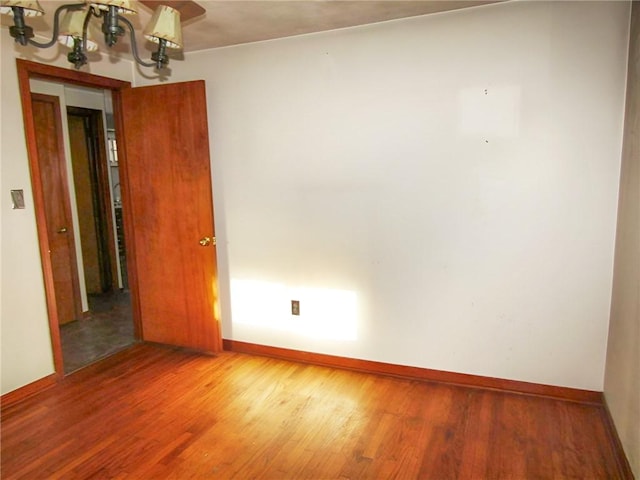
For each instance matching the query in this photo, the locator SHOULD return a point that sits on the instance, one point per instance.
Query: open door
(165, 152)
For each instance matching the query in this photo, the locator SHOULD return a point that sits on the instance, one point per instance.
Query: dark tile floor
(108, 329)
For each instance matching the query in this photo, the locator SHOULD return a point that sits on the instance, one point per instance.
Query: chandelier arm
(134, 45)
(56, 26)
(85, 27)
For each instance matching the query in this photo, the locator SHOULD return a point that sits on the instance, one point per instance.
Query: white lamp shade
(30, 8)
(165, 24)
(71, 27)
(125, 7)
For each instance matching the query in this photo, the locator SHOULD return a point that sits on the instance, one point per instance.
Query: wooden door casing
(26, 71)
(54, 180)
(166, 148)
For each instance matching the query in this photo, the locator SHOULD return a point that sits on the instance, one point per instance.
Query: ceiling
(232, 22)
(235, 22)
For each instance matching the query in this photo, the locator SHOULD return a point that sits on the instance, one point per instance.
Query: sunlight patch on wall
(325, 313)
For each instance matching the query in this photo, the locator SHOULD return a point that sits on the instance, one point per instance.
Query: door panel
(84, 201)
(48, 131)
(167, 163)
(93, 198)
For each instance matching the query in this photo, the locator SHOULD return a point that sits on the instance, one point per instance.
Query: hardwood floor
(154, 412)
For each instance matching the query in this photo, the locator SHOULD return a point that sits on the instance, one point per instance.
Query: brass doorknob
(206, 241)
(63, 230)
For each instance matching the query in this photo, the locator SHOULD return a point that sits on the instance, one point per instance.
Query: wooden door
(168, 192)
(53, 173)
(93, 198)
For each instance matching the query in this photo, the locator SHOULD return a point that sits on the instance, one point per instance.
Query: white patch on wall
(490, 111)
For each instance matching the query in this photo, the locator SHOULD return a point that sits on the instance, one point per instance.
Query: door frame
(26, 71)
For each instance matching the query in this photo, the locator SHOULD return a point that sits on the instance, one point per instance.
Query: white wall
(26, 354)
(438, 191)
(26, 346)
(622, 375)
(366, 173)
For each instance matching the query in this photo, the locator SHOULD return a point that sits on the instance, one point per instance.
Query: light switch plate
(295, 307)
(17, 199)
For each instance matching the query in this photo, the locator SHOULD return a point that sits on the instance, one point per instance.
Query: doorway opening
(170, 244)
(86, 188)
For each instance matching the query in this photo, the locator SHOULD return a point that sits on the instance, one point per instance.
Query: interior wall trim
(417, 373)
(22, 393)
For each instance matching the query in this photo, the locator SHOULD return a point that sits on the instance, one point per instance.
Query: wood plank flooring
(153, 412)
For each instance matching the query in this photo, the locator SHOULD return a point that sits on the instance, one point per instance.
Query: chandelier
(72, 31)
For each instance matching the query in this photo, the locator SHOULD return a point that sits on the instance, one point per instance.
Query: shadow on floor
(108, 330)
